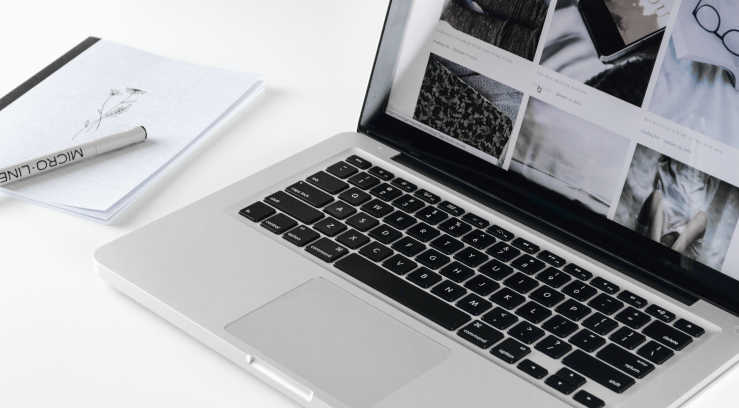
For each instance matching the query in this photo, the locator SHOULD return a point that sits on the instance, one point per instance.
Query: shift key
(294, 207)
(598, 371)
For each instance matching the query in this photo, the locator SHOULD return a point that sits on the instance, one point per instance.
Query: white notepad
(111, 88)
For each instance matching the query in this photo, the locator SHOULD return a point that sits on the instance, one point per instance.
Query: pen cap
(120, 140)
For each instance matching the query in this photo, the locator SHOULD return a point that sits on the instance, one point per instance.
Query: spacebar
(402, 292)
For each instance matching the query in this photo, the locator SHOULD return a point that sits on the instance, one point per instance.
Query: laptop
(506, 225)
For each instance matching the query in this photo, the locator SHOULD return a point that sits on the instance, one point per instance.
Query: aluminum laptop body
(253, 280)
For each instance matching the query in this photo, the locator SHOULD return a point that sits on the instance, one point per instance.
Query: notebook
(100, 88)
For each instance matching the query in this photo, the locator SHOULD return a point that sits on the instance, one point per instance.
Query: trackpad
(338, 342)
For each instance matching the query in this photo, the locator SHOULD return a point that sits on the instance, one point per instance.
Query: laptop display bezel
(514, 195)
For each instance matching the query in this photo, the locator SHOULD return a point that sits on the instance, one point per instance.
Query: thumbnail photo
(467, 106)
(697, 86)
(514, 26)
(619, 60)
(681, 207)
(570, 156)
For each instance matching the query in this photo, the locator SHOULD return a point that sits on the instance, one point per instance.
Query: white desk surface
(69, 340)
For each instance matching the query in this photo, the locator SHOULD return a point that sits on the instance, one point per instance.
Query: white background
(66, 339)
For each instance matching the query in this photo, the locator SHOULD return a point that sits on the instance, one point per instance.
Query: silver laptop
(514, 222)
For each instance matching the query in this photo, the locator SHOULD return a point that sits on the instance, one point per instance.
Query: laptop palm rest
(338, 343)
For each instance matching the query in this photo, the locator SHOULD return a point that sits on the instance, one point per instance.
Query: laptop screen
(646, 135)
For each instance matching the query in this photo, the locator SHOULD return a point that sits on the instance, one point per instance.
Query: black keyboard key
(667, 335)
(327, 250)
(560, 384)
(587, 340)
(655, 352)
(434, 309)
(375, 251)
(364, 181)
(690, 328)
(500, 233)
(553, 347)
(627, 338)
(447, 244)
(381, 173)
(399, 264)
(526, 246)
(507, 298)
(309, 194)
(404, 185)
(424, 278)
(499, 318)
(408, 204)
(553, 277)
(660, 313)
(340, 210)
(294, 207)
(400, 220)
(385, 234)
(533, 312)
(279, 223)
(377, 208)
(432, 259)
(448, 291)
(471, 257)
(329, 226)
(451, 208)
(600, 323)
(531, 368)
(480, 334)
(606, 304)
(354, 196)
(604, 285)
(503, 252)
(528, 264)
(301, 235)
(551, 259)
(457, 272)
(455, 227)
(427, 196)
(579, 290)
(359, 162)
(632, 318)
(423, 232)
(559, 326)
(625, 361)
(257, 211)
(432, 215)
(479, 239)
(632, 299)
(327, 182)
(362, 221)
(342, 170)
(598, 371)
(526, 332)
(571, 377)
(386, 192)
(496, 270)
(481, 285)
(578, 272)
(520, 283)
(352, 239)
(573, 310)
(588, 400)
(510, 350)
(547, 296)
(408, 246)
(475, 220)
(474, 304)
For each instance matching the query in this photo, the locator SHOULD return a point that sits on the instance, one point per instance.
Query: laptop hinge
(435, 171)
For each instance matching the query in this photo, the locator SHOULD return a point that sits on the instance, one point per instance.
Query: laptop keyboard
(496, 291)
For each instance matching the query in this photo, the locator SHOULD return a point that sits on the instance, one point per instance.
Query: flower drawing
(116, 103)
